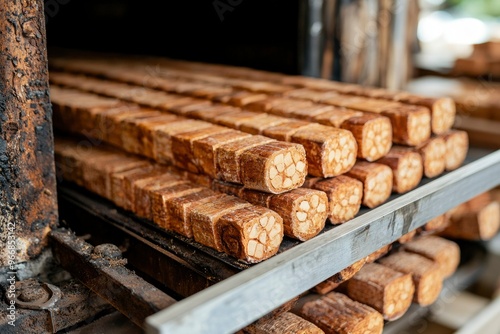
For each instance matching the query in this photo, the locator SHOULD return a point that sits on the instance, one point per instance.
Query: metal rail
(239, 300)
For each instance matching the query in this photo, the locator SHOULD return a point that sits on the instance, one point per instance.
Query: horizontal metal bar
(239, 300)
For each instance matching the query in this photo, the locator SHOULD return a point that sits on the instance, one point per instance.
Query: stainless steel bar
(237, 301)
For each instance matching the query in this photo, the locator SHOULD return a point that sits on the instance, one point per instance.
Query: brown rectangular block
(182, 146)
(67, 165)
(70, 104)
(226, 97)
(311, 181)
(336, 313)
(303, 211)
(310, 112)
(65, 80)
(161, 196)
(73, 162)
(284, 131)
(312, 83)
(481, 222)
(445, 252)
(344, 196)
(209, 92)
(407, 237)
(179, 208)
(242, 98)
(287, 306)
(230, 188)
(129, 180)
(234, 120)
(425, 273)
(179, 102)
(112, 124)
(433, 154)
(378, 253)
(435, 225)
(309, 94)
(101, 124)
(373, 134)
(186, 109)
(163, 137)
(260, 86)
(343, 100)
(228, 157)
(344, 275)
(330, 151)
(92, 170)
(377, 182)
(129, 130)
(203, 219)
(373, 105)
(411, 125)
(283, 323)
(126, 163)
(407, 168)
(388, 291)
(256, 126)
(250, 233)
(205, 150)
(146, 97)
(209, 113)
(273, 167)
(200, 179)
(184, 87)
(254, 196)
(146, 129)
(443, 110)
(144, 188)
(457, 146)
(336, 116)
(286, 107)
(118, 191)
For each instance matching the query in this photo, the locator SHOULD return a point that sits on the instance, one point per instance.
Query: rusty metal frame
(28, 208)
(102, 270)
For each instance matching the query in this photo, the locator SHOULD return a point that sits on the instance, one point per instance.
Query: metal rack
(242, 298)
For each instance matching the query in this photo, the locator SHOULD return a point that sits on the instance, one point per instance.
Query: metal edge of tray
(241, 299)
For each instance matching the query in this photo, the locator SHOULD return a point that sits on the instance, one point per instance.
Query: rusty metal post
(28, 208)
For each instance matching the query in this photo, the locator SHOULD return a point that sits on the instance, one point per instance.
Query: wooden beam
(28, 208)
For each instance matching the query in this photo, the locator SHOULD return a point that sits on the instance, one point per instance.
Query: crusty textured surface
(445, 252)
(386, 290)
(336, 313)
(250, 233)
(284, 323)
(426, 274)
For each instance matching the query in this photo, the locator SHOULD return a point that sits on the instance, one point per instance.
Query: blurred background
(448, 30)
(372, 42)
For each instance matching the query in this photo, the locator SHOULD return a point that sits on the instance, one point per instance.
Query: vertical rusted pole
(27, 177)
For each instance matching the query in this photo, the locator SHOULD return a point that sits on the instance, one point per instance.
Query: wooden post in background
(28, 207)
